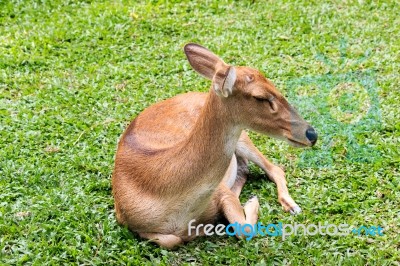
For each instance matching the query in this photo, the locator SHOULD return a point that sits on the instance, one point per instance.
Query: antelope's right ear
(203, 60)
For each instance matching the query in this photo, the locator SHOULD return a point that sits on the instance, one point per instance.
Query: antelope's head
(252, 99)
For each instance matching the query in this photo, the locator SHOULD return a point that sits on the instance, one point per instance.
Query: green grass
(73, 74)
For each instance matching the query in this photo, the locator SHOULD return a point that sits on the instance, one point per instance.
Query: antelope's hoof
(295, 210)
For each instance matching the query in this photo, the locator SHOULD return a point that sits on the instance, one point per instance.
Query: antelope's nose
(311, 135)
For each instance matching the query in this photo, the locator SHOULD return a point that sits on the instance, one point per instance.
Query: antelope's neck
(214, 137)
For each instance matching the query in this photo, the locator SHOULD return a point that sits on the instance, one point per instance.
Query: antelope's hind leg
(166, 241)
(228, 191)
(251, 207)
(229, 205)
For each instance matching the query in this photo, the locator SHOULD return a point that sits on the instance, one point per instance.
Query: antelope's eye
(262, 99)
(270, 100)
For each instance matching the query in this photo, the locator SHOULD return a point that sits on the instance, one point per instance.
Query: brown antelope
(186, 157)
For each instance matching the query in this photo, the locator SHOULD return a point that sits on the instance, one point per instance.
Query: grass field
(74, 74)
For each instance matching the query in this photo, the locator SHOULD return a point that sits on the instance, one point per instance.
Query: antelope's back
(164, 124)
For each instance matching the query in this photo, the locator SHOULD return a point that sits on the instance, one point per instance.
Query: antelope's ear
(209, 65)
(202, 60)
(224, 80)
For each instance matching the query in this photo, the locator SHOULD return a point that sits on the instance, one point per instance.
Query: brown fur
(186, 157)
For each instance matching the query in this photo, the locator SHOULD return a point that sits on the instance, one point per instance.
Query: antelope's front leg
(277, 175)
(245, 148)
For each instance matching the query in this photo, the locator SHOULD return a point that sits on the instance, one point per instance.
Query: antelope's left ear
(224, 80)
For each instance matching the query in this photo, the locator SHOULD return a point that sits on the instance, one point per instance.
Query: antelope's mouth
(297, 143)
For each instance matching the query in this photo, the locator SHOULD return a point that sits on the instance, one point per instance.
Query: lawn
(73, 74)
